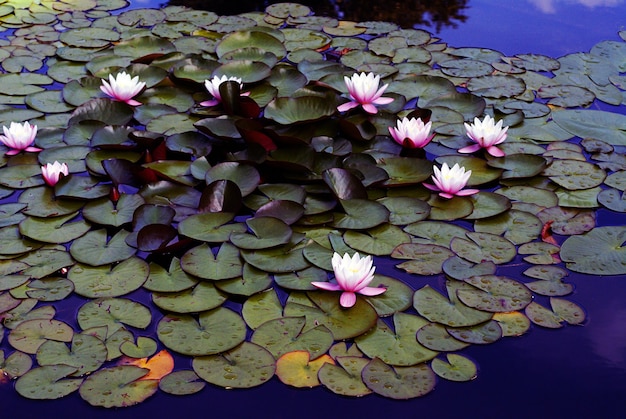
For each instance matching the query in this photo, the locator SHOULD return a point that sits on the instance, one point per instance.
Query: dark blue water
(573, 372)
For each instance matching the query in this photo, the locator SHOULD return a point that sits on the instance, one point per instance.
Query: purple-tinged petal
(470, 148)
(466, 192)
(211, 102)
(370, 291)
(329, 286)
(383, 100)
(347, 106)
(495, 151)
(369, 108)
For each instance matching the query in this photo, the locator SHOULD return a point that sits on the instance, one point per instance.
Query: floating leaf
(107, 281)
(181, 382)
(484, 247)
(457, 368)
(599, 252)
(29, 335)
(399, 382)
(480, 334)
(435, 307)
(296, 368)
(436, 338)
(345, 378)
(86, 354)
(118, 387)
(47, 382)
(113, 313)
(495, 293)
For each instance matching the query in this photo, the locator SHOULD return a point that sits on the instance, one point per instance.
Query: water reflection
(553, 6)
(435, 13)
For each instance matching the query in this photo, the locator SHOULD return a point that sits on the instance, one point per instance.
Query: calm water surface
(575, 372)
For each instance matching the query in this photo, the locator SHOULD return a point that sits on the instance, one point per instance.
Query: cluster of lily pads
(230, 185)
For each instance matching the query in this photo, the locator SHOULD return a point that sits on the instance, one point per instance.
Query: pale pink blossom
(487, 134)
(353, 275)
(363, 89)
(123, 88)
(19, 138)
(451, 181)
(51, 172)
(213, 86)
(412, 133)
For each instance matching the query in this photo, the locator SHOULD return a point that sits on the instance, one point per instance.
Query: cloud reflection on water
(552, 6)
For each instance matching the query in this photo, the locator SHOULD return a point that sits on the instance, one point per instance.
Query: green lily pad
(267, 232)
(291, 110)
(345, 378)
(181, 382)
(609, 126)
(495, 294)
(201, 262)
(450, 209)
(96, 249)
(21, 176)
(50, 289)
(285, 258)
(458, 268)
(575, 174)
(378, 241)
(404, 171)
(457, 368)
(287, 334)
(399, 347)
(424, 259)
(43, 262)
(613, 199)
(562, 311)
(513, 323)
(405, 210)
(451, 312)
(118, 386)
(397, 297)
(436, 338)
(540, 253)
(144, 348)
(86, 354)
(301, 280)
(398, 382)
(598, 252)
(203, 296)
(252, 281)
(516, 226)
(106, 281)
(250, 38)
(484, 247)
(48, 382)
(214, 332)
(29, 335)
(435, 232)
(103, 211)
(481, 334)
(323, 308)
(113, 313)
(245, 366)
(497, 86)
(16, 364)
(360, 214)
(172, 279)
(261, 308)
(210, 227)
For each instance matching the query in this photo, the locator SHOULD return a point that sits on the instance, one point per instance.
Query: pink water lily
(123, 88)
(451, 181)
(52, 172)
(411, 133)
(487, 134)
(353, 276)
(363, 89)
(19, 138)
(213, 86)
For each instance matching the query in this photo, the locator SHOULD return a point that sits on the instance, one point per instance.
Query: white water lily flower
(19, 137)
(51, 172)
(411, 133)
(363, 89)
(451, 181)
(123, 88)
(353, 276)
(486, 134)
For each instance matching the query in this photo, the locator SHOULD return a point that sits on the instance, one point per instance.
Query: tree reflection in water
(431, 13)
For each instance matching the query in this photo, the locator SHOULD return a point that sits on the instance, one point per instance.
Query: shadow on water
(434, 14)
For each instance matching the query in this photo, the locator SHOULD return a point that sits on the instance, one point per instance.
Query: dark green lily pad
(451, 312)
(323, 308)
(517, 226)
(397, 297)
(398, 382)
(345, 378)
(608, 126)
(291, 110)
(495, 294)
(201, 262)
(457, 368)
(484, 247)
(497, 86)
(106, 281)
(424, 259)
(246, 39)
(104, 211)
(405, 170)
(261, 308)
(436, 338)
(562, 311)
(449, 209)
(285, 258)
(397, 347)
(245, 366)
(86, 354)
(379, 241)
(251, 282)
(598, 252)
(481, 334)
(214, 332)
(267, 232)
(210, 227)
(172, 279)
(360, 214)
(287, 334)
(575, 174)
(203, 296)
(458, 268)
(118, 386)
(181, 382)
(96, 249)
(48, 382)
(434, 232)
(301, 280)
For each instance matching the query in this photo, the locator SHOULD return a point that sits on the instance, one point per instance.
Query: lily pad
(106, 281)
(598, 252)
(215, 331)
(86, 354)
(203, 296)
(436, 338)
(245, 366)
(344, 377)
(481, 334)
(484, 247)
(113, 313)
(287, 334)
(48, 382)
(298, 370)
(451, 312)
(181, 382)
(495, 294)
(457, 368)
(118, 386)
(398, 382)
(29, 335)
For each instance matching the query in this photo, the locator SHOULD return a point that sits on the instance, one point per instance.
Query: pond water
(575, 371)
